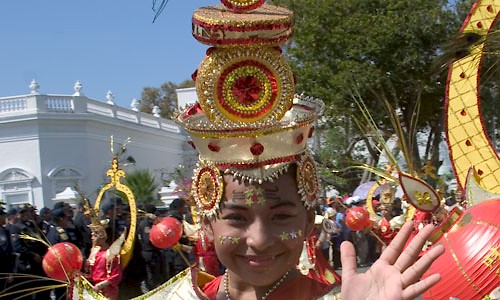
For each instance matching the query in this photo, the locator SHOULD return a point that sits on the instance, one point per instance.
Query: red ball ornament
(166, 233)
(470, 265)
(357, 218)
(62, 261)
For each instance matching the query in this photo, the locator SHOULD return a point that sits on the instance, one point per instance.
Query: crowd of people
(151, 266)
(332, 229)
(23, 275)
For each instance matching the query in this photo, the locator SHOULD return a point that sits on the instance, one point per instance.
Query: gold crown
(247, 121)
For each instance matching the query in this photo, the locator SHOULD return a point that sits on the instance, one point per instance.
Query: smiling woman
(258, 236)
(256, 184)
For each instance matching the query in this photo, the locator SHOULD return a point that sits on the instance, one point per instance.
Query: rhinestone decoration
(247, 122)
(207, 188)
(245, 85)
(242, 5)
(307, 180)
(268, 25)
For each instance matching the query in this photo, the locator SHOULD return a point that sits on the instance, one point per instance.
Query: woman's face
(98, 239)
(259, 232)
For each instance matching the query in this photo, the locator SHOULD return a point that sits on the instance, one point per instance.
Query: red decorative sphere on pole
(166, 233)
(357, 218)
(63, 261)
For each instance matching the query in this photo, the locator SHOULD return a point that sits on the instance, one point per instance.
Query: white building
(51, 142)
(185, 97)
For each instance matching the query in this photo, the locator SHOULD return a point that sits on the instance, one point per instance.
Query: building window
(16, 187)
(63, 177)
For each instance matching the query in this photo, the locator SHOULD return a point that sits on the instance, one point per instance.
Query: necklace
(226, 285)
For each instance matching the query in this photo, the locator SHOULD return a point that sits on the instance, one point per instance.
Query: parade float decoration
(470, 266)
(63, 261)
(116, 174)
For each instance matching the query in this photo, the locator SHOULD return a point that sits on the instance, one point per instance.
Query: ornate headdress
(247, 121)
(96, 226)
(386, 196)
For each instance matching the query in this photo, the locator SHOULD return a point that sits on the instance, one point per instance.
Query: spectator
(30, 252)
(176, 260)
(153, 258)
(46, 220)
(7, 256)
(82, 222)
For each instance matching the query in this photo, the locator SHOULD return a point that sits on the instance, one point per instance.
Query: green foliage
(381, 50)
(164, 97)
(143, 186)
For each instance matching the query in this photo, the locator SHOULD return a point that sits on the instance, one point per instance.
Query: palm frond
(16, 291)
(376, 171)
(158, 8)
(458, 47)
(369, 127)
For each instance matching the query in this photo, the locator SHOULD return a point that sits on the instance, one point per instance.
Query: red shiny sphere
(470, 265)
(62, 261)
(357, 218)
(166, 233)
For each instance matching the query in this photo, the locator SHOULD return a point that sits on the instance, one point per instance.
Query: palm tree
(143, 185)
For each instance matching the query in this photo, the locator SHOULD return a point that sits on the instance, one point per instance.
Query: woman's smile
(260, 261)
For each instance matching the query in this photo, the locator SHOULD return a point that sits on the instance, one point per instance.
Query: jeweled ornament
(242, 5)
(166, 233)
(63, 261)
(237, 85)
(470, 266)
(267, 25)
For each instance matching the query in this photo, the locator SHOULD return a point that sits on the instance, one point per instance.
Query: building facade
(51, 142)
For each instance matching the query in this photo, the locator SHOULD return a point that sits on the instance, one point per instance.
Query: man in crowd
(30, 251)
(7, 256)
(176, 259)
(153, 258)
(82, 222)
(46, 220)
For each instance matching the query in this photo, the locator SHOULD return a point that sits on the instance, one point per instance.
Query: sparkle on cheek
(290, 235)
(232, 240)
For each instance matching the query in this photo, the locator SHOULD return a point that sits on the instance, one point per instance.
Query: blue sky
(106, 45)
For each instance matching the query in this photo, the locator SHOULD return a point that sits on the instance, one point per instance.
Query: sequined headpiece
(96, 226)
(99, 229)
(247, 121)
(386, 196)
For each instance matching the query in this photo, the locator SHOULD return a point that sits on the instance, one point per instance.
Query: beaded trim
(207, 188)
(208, 183)
(242, 5)
(307, 180)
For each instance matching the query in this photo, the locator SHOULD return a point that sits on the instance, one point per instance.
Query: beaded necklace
(226, 285)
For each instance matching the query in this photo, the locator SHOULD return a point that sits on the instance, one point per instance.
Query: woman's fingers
(413, 249)
(418, 288)
(348, 259)
(415, 271)
(394, 249)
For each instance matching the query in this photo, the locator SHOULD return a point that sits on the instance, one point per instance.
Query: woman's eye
(234, 217)
(281, 217)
